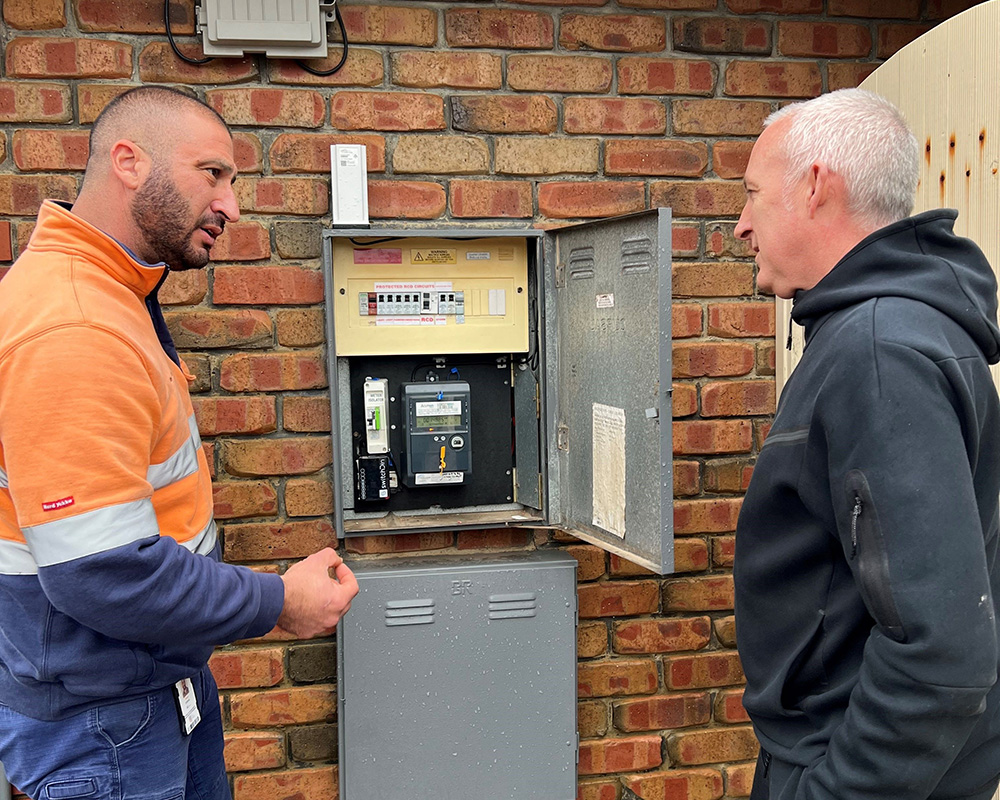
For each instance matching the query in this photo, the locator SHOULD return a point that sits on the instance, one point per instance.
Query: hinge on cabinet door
(538, 401)
(560, 276)
(562, 437)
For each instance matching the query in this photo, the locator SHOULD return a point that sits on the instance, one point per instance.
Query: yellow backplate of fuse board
(427, 296)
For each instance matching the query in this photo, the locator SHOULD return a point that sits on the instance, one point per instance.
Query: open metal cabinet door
(608, 409)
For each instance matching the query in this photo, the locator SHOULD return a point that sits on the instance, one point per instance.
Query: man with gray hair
(866, 551)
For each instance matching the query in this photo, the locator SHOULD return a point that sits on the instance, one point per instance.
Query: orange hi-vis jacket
(110, 583)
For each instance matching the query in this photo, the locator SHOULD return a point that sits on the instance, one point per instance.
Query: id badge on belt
(187, 705)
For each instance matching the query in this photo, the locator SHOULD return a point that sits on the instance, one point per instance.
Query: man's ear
(129, 163)
(819, 185)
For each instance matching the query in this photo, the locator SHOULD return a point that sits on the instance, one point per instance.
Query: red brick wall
(535, 113)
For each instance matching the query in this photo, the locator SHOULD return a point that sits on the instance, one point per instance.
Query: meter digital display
(438, 415)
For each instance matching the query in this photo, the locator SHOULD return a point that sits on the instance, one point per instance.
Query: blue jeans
(126, 750)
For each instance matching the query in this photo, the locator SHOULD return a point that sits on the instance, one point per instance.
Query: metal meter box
(561, 341)
(457, 679)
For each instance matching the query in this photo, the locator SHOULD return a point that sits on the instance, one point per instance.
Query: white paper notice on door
(609, 469)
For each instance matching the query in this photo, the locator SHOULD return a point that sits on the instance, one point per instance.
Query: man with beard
(866, 564)
(112, 594)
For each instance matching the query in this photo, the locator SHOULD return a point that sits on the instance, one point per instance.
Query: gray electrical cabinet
(562, 340)
(457, 679)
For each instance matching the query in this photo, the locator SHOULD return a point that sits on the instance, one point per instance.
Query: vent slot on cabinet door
(637, 255)
(409, 612)
(581, 263)
(513, 606)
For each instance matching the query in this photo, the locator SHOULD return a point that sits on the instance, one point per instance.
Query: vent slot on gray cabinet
(637, 255)
(513, 606)
(581, 263)
(409, 612)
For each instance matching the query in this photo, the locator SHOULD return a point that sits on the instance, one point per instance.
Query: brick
(725, 630)
(685, 400)
(271, 372)
(726, 279)
(269, 541)
(760, 430)
(728, 707)
(765, 364)
(49, 150)
(308, 498)
(387, 111)
(847, 75)
(527, 73)
(589, 789)
(493, 539)
(618, 599)
(773, 79)
(775, 6)
(566, 200)
(34, 102)
(248, 668)
(712, 746)
(875, 9)
(685, 239)
(263, 457)
(699, 198)
(603, 756)
(135, 16)
(242, 241)
(301, 784)
(944, 9)
(44, 57)
(35, 15)
(436, 155)
(892, 38)
(362, 68)
(310, 152)
(661, 635)
(703, 671)
(303, 414)
(722, 35)
(710, 438)
(267, 286)
(289, 706)
(185, 288)
(672, 5)
(503, 114)
(400, 543)
(199, 330)
(590, 561)
(689, 784)
(655, 157)
(613, 115)
(491, 199)
(717, 515)
(824, 39)
(729, 159)
(591, 639)
(200, 367)
(459, 70)
(245, 752)
(286, 108)
(390, 25)
(158, 64)
(300, 327)
(6, 250)
(239, 499)
(592, 719)
(663, 712)
(22, 195)
(723, 551)
(93, 97)
(313, 743)
(501, 28)
(719, 117)
(292, 196)
(665, 76)
(248, 153)
(708, 593)
(629, 33)
(406, 199)
(617, 678)
(686, 320)
(545, 156)
(739, 779)
(690, 555)
(737, 398)
(23, 231)
(720, 241)
(297, 239)
(728, 477)
(219, 415)
(312, 663)
(687, 479)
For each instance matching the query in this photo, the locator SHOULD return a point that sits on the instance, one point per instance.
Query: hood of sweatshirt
(920, 258)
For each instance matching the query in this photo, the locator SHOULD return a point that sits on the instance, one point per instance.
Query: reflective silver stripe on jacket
(91, 532)
(3, 480)
(16, 559)
(204, 542)
(182, 463)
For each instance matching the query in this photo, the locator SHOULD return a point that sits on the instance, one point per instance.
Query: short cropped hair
(863, 138)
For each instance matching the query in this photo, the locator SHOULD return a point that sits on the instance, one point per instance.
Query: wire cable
(343, 56)
(173, 44)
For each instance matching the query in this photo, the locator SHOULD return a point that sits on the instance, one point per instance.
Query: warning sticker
(605, 301)
(609, 468)
(483, 255)
(379, 255)
(424, 478)
(438, 256)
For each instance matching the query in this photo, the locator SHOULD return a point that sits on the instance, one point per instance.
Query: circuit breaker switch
(376, 391)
